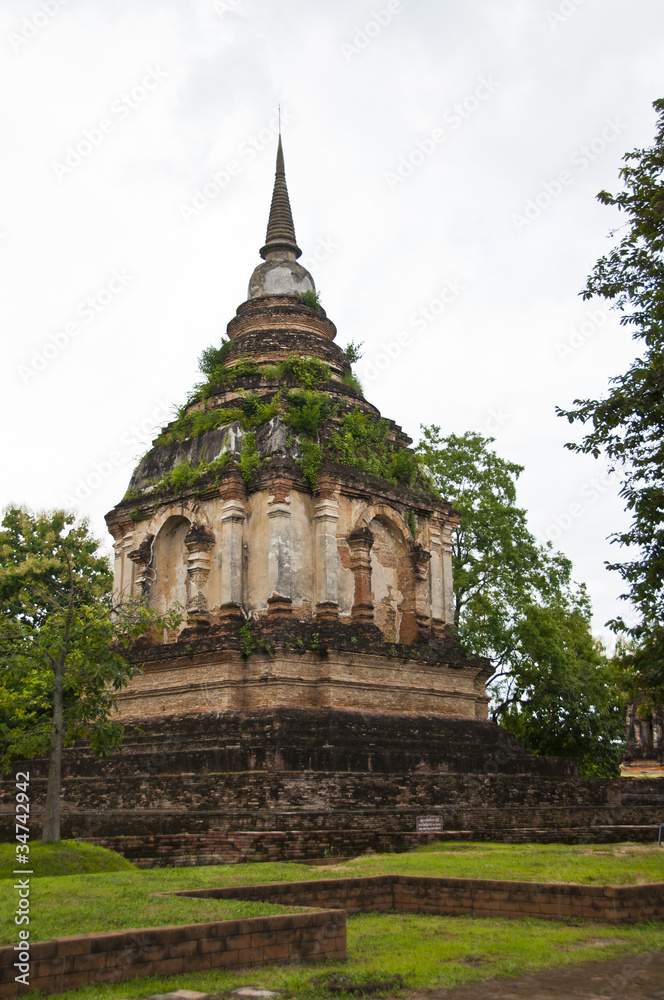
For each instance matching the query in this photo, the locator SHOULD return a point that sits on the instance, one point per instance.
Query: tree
(627, 426)
(515, 603)
(60, 640)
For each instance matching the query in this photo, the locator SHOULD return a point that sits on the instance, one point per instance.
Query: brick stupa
(313, 701)
(293, 524)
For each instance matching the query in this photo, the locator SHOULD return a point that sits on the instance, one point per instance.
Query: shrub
(213, 358)
(354, 351)
(311, 299)
(250, 460)
(309, 372)
(353, 382)
(306, 412)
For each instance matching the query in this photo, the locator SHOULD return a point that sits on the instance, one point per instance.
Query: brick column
(198, 542)
(436, 573)
(359, 543)
(326, 556)
(142, 557)
(448, 584)
(232, 521)
(122, 569)
(421, 560)
(279, 544)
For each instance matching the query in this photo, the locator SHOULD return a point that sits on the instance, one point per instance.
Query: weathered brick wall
(184, 850)
(461, 896)
(69, 962)
(336, 782)
(307, 740)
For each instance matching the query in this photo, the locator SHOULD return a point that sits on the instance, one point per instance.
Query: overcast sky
(442, 161)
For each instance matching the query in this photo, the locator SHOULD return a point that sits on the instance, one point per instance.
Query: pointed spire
(280, 230)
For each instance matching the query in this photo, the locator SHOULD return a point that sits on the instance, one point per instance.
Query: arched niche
(170, 585)
(393, 580)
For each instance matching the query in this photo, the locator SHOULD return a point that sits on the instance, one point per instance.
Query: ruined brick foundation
(292, 784)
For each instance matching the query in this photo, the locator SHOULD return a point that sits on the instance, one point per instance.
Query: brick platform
(290, 784)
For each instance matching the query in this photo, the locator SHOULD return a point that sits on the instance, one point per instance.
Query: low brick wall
(69, 962)
(221, 847)
(461, 896)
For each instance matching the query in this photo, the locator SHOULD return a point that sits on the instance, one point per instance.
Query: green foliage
(515, 603)
(243, 368)
(181, 476)
(197, 422)
(185, 476)
(311, 299)
(627, 425)
(213, 359)
(307, 410)
(213, 363)
(353, 382)
(250, 410)
(309, 372)
(354, 351)
(411, 522)
(569, 699)
(361, 441)
(250, 460)
(245, 639)
(255, 411)
(311, 461)
(59, 635)
(67, 857)
(404, 467)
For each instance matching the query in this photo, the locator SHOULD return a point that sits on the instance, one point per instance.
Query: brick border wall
(68, 962)
(461, 896)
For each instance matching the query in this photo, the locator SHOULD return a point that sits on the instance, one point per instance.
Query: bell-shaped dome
(280, 275)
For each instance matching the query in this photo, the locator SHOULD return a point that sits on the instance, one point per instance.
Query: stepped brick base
(289, 783)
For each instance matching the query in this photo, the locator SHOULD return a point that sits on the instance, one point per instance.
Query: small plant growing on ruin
(245, 639)
(351, 380)
(250, 460)
(309, 372)
(354, 351)
(411, 522)
(311, 299)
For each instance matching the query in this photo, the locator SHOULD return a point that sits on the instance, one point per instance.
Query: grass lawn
(68, 857)
(428, 952)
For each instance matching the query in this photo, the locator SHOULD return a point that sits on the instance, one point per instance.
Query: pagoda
(313, 701)
(294, 527)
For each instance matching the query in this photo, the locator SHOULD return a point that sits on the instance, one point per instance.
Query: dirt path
(635, 977)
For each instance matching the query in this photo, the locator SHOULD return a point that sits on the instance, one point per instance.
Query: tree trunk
(51, 820)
